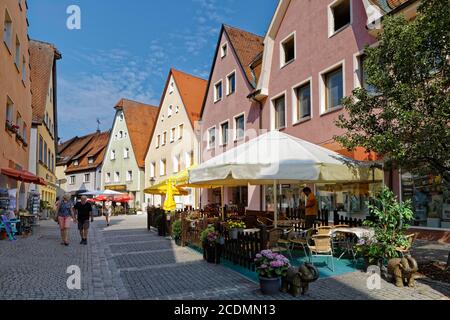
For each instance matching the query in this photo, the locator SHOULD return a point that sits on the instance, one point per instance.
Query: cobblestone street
(125, 261)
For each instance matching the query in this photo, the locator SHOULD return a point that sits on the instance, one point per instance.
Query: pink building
(229, 118)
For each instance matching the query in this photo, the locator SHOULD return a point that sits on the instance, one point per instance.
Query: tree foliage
(407, 120)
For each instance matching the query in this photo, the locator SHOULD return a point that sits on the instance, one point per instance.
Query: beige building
(15, 93)
(124, 161)
(44, 130)
(174, 146)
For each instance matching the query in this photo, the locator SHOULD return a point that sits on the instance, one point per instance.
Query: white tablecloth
(359, 232)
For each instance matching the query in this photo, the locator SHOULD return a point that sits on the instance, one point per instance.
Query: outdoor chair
(341, 226)
(324, 230)
(275, 241)
(302, 242)
(406, 250)
(322, 248)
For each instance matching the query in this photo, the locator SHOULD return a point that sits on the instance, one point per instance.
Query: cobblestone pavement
(125, 261)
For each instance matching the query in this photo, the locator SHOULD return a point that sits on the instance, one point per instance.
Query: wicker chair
(303, 242)
(341, 226)
(324, 231)
(276, 242)
(322, 247)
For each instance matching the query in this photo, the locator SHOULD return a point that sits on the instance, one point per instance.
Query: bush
(176, 229)
(204, 233)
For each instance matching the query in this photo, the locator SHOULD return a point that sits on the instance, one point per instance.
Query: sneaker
(82, 241)
(66, 244)
(85, 242)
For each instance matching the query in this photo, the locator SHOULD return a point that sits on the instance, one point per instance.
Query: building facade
(15, 93)
(229, 118)
(83, 172)
(174, 146)
(44, 130)
(124, 162)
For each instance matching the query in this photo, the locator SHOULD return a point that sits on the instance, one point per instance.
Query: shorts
(83, 225)
(64, 222)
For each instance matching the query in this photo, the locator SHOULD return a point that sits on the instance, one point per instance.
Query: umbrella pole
(275, 204)
(222, 196)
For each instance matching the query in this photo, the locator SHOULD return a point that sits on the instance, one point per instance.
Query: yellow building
(43, 57)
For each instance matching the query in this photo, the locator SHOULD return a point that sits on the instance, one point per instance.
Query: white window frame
(171, 87)
(24, 70)
(176, 163)
(172, 134)
(228, 83)
(224, 53)
(17, 54)
(272, 110)
(121, 117)
(113, 155)
(108, 177)
(72, 180)
(177, 109)
(88, 176)
(180, 130)
(126, 153)
(164, 138)
(209, 147)
(129, 175)
(162, 164)
(117, 176)
(216, 93)
(169, 111)
(153, 169)
(189, 155)
(295, 116)
(331, 31)
(322, 87)
(282, 52)
(8, 41)
(235, 137)
(9, 110)
(158, 141)
(221, 144)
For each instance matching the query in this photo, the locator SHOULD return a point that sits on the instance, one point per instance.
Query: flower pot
(3, 235)
(234, 234)
(269, 286)
(178, 241)
(210, 251)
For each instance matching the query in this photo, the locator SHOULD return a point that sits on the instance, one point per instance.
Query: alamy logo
(74, 280)
(374, 278)
(74, 19)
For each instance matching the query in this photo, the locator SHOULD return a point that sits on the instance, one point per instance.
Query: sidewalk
(125, 261)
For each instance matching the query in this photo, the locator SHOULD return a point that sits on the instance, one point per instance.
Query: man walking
(83, 213)
(311, 208)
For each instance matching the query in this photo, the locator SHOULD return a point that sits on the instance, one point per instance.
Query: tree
(407, 120)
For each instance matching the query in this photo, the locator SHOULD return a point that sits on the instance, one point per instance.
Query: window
(9, 110)
(177, 109)
(17, 55)
(113, 154)
(152, 170)
(334, 88)
(302, 102)
(362, 74)
(41, 149)
(340, 15)
(170, 112)
(224, 50)
(171, 88)
(231, 83)
(121, 117)
(90, 160)
(7, 30)
(218, 91)
(24, 70)
(52, 165)
(76, 163)
(164, 139)
(108, 177)
(116, 176)
(45, 153)
(189, 159)
(72, 180)
(48, 158)
(162, 167)
(172, 134)
(212, 138)
(176, 164)
(120, 135)
(279, 108)
(158, 141)
(126, 153)
(224, 127)
(239, 124)
(287, 50)
(129, 175)
(24, 132)
(87, 178)
(180, 131)
(19, 123)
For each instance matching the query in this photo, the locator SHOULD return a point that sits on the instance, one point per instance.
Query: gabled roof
(247, 47)
(141, 121)
(95, 149)
(42, 58)
(71, 148)
(192, 90)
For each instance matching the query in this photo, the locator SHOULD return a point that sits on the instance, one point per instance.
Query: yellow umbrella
(169, 203)
(161, 189)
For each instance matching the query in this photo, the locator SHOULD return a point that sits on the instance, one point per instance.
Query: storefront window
(430, 200)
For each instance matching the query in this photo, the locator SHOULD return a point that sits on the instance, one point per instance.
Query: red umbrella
(123, 199)
(101, 198)
(23, 175)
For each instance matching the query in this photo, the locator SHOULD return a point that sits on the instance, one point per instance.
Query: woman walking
(65, 214)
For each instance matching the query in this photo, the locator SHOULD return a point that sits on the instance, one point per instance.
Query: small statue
(402, 270)
(299, 278)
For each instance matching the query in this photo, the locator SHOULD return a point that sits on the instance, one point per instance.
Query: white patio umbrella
(278, 158)
(102, 193)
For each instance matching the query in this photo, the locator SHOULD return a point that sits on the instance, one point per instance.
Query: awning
(23, 176)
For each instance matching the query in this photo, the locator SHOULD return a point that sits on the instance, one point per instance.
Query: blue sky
(125, 48)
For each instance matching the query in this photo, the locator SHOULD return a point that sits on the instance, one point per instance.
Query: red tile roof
(141, 120)
(71, 148)
(95, 148)
(42, 57)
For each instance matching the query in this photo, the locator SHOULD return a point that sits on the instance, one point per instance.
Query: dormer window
(90, 160)
(76, 163)
(224, 50)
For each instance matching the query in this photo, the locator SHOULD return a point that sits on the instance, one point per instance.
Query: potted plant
(389, 226)
(271, 267)
(235, 227)
(210, 239)
(176, 232)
